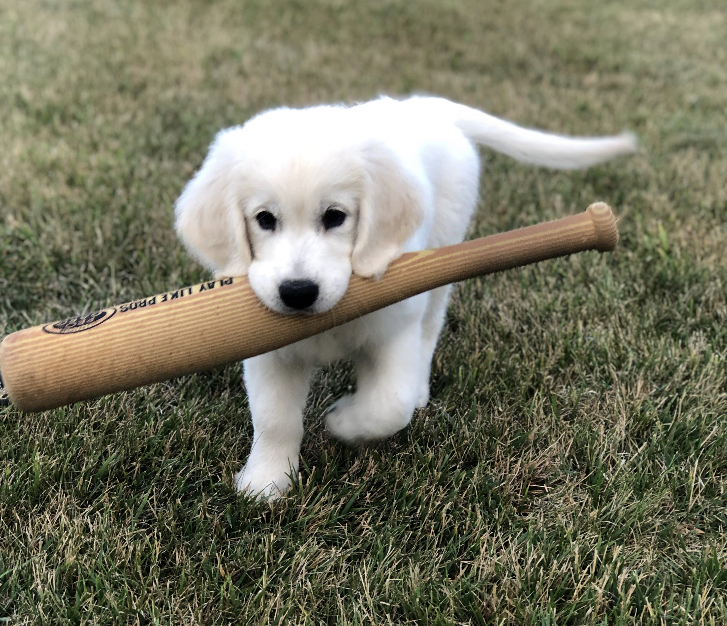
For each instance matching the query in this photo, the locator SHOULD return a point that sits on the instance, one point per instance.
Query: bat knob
(604, 223)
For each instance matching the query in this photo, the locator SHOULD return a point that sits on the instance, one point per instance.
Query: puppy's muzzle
(298, 294)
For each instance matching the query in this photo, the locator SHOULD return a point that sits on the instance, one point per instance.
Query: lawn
(571, 467)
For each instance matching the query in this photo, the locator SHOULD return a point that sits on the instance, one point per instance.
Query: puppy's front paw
(355, 421)
(423, 397)
(263, 482)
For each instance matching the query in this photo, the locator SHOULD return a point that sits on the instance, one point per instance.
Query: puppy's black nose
(298, 294)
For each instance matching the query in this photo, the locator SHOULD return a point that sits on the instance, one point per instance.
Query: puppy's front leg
(277, 391)
(387, 389)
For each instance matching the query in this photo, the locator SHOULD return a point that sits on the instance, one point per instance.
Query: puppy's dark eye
(333, 218)
(266, 220)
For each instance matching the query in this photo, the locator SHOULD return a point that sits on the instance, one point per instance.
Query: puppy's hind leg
(277, 391)
(431, 328)
(387, 387)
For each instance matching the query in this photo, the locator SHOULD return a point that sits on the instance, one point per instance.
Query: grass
(571, 467)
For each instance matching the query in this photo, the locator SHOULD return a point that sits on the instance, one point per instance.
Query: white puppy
(300, 199)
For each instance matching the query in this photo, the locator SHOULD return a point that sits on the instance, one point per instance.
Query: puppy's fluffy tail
(533, 146)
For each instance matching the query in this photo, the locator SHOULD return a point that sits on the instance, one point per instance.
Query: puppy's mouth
(296, 296)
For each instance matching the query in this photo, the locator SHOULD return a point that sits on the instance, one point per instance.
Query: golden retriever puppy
(300, 199)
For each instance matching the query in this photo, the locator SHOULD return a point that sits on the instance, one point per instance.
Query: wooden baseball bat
(221, 321)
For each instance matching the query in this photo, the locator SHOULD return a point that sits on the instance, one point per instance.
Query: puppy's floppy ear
(391, 210)
(209, 218)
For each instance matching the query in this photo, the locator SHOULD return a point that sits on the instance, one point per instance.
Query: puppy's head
(299, 200)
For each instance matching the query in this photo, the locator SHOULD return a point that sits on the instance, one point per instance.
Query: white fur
(405, 174)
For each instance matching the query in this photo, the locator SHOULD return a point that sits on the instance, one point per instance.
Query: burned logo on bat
(79, 323)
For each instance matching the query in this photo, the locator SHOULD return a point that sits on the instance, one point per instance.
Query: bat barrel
(222, 321)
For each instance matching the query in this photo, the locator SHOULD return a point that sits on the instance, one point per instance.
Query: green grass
(571, 467)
